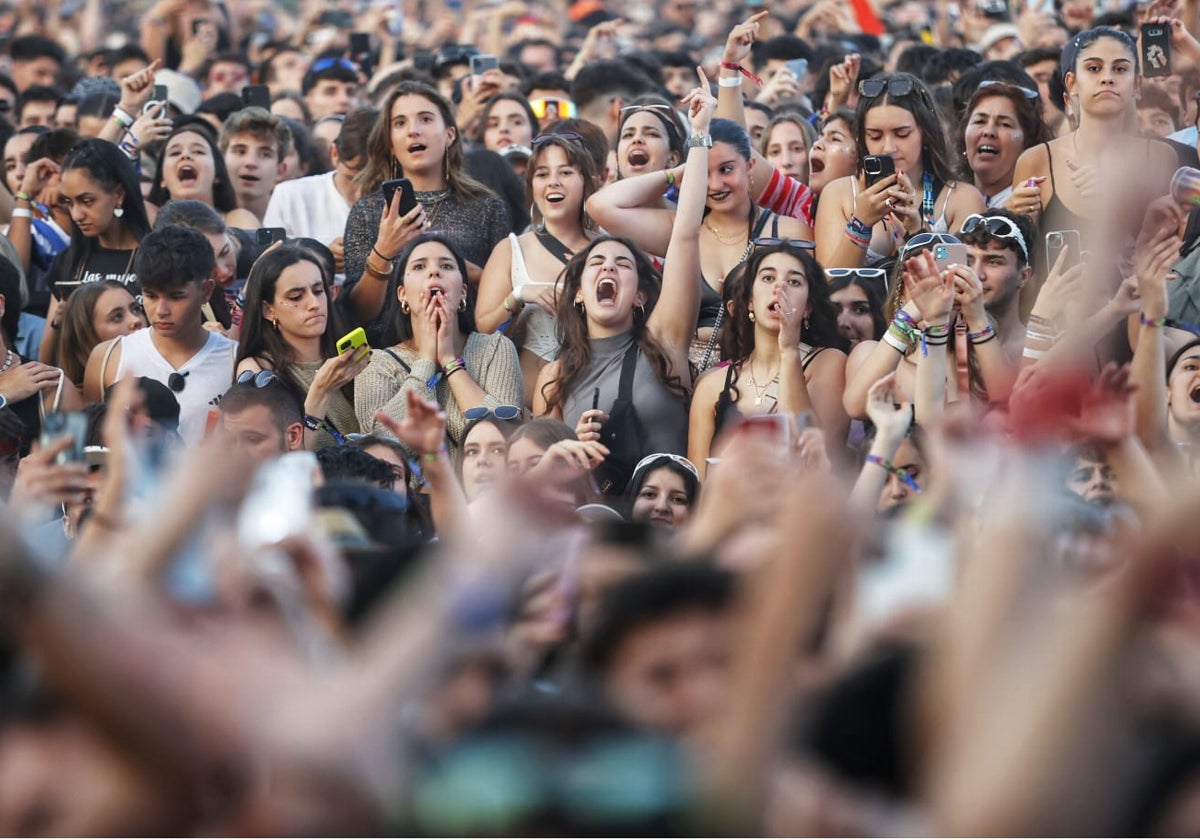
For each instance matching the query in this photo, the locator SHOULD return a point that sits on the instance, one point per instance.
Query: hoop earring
(641, 308)
(404, 307)
(462, 304)
(119, 212)
(275, 324)
(395, 168)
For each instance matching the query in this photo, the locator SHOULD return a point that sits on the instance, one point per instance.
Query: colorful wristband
(1143, 320)
(729, 65)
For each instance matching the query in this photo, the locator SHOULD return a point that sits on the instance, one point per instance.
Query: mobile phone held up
(946, 255)
(1056, 241)
(480, 64)
(256, 96)
(354, 339)
(408, 197)
(58, 425)
(266, 237)
(878, 167)
(1156, 50)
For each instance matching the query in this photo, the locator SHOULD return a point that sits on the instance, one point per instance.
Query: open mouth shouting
(1195, 395)
(187, 174)
(555, 197)
(816, 163)
(986, 149)
(416, 148)
(606, 291)
(638, 157)
(437, 291)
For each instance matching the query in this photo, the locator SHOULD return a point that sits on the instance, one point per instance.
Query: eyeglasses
(871, 88)
(865, 273)
(771, 242)
(564, 109)
(260, 378)
(500, 412)
(177, 381)
(996, 226)
(569, 136)
(326, 63)
(681, 461)
(922, 240)
(1028, 93)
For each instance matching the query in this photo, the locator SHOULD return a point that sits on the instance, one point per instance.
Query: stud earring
(462, 304)
(404, 307)
(275, 324)
(750, 315)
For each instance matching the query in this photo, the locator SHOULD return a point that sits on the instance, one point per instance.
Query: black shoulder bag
(622, 434)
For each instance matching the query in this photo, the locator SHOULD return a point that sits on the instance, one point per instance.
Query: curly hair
(572, 327)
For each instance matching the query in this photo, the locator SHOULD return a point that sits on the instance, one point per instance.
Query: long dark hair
(638, 479)
(224, 198)
(935, 145)
(571, 326)
(260, 341)
(397, 324)
(108, 167)
(669, 120)
(874, 300)
(737, 336)
(381, 164)
(506, 97)
(1029, 118)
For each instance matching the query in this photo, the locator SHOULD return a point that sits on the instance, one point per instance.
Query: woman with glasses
(432, 348)
(786, 353)
(289, 327)
(416, 138)
(519, 289)
(189, 165)
(662, 491)
(862, 223)
(1001, 122)
(94, 313)
(857, 294)
(1098, 178)
(624, 331)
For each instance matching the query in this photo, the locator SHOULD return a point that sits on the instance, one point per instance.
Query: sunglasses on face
(865, 273)
(563, 109)
(771, 242)
(500, 412)
(1026, 92)
(569, 136)
(997, 226)
(870, 88)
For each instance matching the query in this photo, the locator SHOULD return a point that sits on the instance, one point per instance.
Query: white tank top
(207, 375)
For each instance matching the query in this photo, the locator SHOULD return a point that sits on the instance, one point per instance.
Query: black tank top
(710, 298)
(727, 411)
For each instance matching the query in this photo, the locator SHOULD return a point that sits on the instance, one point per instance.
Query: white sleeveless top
(539, 324)
(207, 375)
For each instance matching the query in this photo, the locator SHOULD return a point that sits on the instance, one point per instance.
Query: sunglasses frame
(1028, 93)
(559, 106)
(500, 412)
(1013, 232)
(772, 241)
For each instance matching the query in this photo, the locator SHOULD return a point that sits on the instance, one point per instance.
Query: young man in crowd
(254, 143)
(36, 60)
(331, 87)
(999, 246)
(174, 267)
(39, 104)
(263, 421)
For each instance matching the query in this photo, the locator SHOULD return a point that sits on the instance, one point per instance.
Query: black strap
(399, 361)
(628, 367)
(552, 244)
(760, 224)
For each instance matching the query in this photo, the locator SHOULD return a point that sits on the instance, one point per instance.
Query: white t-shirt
(310, 207)
(207, 375)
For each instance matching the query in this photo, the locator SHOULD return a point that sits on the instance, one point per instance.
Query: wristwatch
(700, 141)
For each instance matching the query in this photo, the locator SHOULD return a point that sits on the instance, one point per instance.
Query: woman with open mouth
(191, 166)
(648, 140)
(787, 354)
(1001, 122)
(416, 138)
(834, 153)
(622, 375)
(519, 289)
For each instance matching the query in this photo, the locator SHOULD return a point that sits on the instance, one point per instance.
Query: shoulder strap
(1050, 160)
(760, 225)
(104, 361)
(628, 367)
(399, 361)
(812, 354)
(552, 244)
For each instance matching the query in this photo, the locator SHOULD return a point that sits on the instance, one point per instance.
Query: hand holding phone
(266, 237)
(256, 96)
(878, 167)
(408, 196)
(1156, 50)
(353, 339)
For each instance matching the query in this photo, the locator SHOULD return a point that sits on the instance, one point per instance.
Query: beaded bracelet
(892, 469)
(1151, 322)
(980, 337)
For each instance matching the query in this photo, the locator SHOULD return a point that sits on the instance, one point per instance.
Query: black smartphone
(1156, 50)
(480, 64)
(423, 60)
(878, 167)
(258, 96)
(1056, 241)
(265, 237)
(408, 198)
(160, 93)
(360, 46)
(596, 399)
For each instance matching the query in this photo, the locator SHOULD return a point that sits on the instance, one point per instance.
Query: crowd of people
(588, 417)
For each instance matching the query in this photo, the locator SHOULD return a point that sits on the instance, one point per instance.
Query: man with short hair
(36, 60)
(602, 88)
(38, 106)
(174, 267)
(317, 206)
(330, 87)
(228, 73)
(998, 244)
(262, 418)
(254, 143)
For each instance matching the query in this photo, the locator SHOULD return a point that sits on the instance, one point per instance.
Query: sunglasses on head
(563, 109)
(1028, 93)
(870, 88)
(865, 273)
(177, 381)
(662, 109)
(500, 412)
(569, 136)
(923, 240)
(771, 242)
(997, 226)
(326, 63)
(677, 459)
(260, 378)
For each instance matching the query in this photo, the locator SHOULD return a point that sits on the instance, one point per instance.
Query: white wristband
(730, 81)
(22, 213)
(895, 343)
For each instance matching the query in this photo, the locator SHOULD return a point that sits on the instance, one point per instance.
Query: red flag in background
(868, 21)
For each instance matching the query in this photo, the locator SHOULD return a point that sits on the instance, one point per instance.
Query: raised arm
(892, 417)
(673, 321)
(996, 369)
(932, 292)
(1148, 373)
(621, 208)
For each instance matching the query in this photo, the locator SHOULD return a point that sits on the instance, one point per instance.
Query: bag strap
(628, 368)
(399, 361)
(552, 244)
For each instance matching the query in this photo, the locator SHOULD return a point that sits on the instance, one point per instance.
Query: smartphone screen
(798, 66)
(480, 64)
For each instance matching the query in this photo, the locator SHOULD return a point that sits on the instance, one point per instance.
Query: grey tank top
(663, 415)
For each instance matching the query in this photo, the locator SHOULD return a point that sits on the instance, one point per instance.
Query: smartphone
(1156, 50)
(776, 427)
(95, 457)
(878, 167)
(596, 399)
(798, 67)
(256, 96)
(423, 60)
(354, 338)
(480, 64)
(59, 425)
(408, 198)
(946, 255)
(160, 95)
(360, 46)
(1056, 240)
(266, 237)
(280, 501)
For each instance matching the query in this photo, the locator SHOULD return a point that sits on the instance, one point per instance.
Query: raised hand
(136, 88)
(742, 37)
(932, 293)
(891, 415)
(700, 104)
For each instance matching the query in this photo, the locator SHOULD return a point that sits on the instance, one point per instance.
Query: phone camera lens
(1055, 239)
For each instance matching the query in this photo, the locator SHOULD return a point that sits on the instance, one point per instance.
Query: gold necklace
(762, 390)
(722, 239)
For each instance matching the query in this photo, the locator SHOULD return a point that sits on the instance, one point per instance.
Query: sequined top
(474, 226)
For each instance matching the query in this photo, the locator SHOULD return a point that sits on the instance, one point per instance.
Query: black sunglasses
(871, 88)
(177, 381)
(500, 412)
(771, 242)
(569, 136)
(260, 378)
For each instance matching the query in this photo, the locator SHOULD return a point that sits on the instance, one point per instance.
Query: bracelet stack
(892, 469)
(122, 118)
(988, 333)
(1040, 336)
(859, 232)
(903, 333)
(454, 367)
(384, 273)
(130, 145)
(936, 335)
